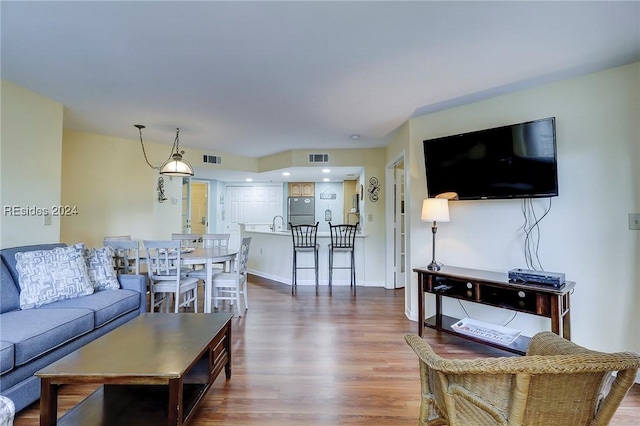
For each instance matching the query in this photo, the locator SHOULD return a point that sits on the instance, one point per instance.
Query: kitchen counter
(271, 256)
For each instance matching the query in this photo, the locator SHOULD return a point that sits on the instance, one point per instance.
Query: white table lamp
(434, 210)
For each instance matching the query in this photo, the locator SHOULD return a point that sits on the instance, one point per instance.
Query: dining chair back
(212, 241)
(215, 240)
(305, 240)
(188, 241)
(126, 255)
(343, 239)
(117, 237)
(164, 265)
(232, 285)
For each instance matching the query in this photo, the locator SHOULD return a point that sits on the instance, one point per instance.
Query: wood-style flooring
(322, 360)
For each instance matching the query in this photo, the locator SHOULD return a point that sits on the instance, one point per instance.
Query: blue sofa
(33, 338)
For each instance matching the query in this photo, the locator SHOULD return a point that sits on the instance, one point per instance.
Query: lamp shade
(176, 166)
(435, 210)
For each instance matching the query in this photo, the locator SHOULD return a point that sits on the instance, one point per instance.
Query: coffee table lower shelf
(519, 346)
(129, 405)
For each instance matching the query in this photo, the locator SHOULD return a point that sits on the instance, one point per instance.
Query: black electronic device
(515, 161)
(528, 276)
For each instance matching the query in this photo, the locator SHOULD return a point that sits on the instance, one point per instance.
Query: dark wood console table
(493, 289)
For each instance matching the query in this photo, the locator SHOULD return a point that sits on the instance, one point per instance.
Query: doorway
(396, 210)
(399, 242)
(199, 207)
(195, 206)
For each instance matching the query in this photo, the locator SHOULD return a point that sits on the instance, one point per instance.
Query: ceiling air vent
(211, 159)
(318, 158)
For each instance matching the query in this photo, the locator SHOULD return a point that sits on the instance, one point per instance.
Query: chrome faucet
(273, 224)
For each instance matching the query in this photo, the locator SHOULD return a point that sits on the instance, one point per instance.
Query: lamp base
(433, 266)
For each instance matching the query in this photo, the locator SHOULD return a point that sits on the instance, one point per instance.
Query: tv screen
(515, 161)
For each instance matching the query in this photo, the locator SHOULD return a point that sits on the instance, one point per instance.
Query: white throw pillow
(46, 276)
(100, 265)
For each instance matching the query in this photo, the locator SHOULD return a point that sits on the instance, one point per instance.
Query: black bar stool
(304, 240)
(343, 238)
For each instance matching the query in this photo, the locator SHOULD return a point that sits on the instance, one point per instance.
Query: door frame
(390, 225)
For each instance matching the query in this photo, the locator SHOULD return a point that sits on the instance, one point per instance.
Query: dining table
(208, 256)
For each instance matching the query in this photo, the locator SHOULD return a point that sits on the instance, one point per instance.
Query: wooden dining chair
(117, 237)
(215, 240)
(232, 285)
(187, 240)
(126, 255)
(212, 241)
(164, 265)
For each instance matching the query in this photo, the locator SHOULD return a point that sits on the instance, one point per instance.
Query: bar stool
(343, 238)
(304, 240)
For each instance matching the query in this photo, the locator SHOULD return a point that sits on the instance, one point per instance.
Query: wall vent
(318, 158)
(211, 159)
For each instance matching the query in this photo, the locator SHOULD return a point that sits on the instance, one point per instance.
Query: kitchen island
(271, 256)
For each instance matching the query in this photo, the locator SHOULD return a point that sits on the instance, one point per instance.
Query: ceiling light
(286, 173)
(326, 170)
(326, 180)
(355, 136)
(249, 180)
(175, 165)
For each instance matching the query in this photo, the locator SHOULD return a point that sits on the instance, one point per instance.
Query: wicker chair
(556, 383)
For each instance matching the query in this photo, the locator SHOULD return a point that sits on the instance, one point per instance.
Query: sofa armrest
(137, 283)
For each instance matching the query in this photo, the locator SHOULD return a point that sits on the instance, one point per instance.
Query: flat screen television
(515, 161)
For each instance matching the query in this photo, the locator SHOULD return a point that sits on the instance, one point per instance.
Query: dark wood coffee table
(155, 370)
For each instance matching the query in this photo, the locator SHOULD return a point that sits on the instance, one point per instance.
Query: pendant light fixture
(175, 165)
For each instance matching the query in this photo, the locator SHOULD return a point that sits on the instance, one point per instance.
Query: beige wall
(115, 190)
(30, 164)
(586, 233)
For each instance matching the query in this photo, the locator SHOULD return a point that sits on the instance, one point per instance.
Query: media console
(493, 289)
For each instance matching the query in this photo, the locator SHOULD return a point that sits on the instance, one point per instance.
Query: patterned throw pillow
(46, 276)
(100, 265)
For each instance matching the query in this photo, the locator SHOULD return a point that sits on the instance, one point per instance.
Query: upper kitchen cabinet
(301, 189)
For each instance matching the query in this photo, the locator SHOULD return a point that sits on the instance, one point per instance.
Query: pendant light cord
(140, 127)
(176, 144)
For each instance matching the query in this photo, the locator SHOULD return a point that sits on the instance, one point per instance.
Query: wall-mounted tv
(515, 161)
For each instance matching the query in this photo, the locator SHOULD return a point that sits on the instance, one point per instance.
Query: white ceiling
(257, 78)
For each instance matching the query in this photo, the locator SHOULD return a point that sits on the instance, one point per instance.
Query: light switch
(47, 220)
(634, 221)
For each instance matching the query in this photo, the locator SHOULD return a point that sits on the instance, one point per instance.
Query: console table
(493, 289)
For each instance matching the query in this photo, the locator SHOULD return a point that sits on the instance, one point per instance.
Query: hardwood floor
(322, 360)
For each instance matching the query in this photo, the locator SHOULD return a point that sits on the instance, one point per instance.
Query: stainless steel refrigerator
(301, 210)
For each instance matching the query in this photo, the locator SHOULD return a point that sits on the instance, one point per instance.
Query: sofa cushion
(46, 276)
(35, 332)
(107, 305)
(9, 256)
(101, 267)
(6, 356)
(9, 293)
